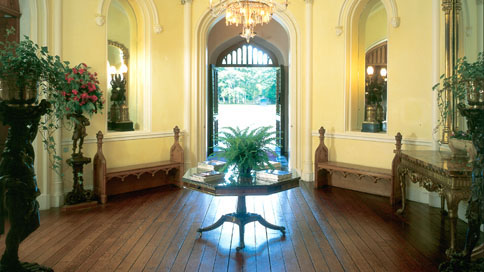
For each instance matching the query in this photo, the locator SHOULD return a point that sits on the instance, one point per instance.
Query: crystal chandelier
(247, 13)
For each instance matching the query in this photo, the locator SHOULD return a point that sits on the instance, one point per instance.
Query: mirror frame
(123, 49)
(452, 10)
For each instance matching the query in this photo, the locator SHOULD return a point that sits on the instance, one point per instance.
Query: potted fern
(246, 149)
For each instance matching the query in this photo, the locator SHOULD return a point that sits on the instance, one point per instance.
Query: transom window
(246, 55)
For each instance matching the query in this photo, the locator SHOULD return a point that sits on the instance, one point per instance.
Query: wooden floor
(327, 230)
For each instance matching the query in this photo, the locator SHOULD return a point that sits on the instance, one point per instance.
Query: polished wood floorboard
(329, 229)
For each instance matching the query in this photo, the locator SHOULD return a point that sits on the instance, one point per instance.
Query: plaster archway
(148, 7)
(348, 8)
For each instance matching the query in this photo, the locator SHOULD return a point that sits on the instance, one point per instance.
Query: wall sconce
(370, 70)
(112, 71)
(383, 72)
(123, 69)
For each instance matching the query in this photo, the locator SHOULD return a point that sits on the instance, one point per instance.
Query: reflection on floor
(329, 229)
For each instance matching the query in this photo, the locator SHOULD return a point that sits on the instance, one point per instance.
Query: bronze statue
(77, 161)
(118, 86)
(80, 124)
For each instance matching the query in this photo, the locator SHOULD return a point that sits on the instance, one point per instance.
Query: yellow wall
(84, 41)
(409, 93)
(409, 80)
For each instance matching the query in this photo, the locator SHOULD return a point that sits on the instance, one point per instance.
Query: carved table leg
(268, 225)
(220, 221)
(442, 205)
(241, 218)
(402, 172)
(453, 198)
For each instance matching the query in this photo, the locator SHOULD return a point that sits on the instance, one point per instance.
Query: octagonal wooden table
(230, 185)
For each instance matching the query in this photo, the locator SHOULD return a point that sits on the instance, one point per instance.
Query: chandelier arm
(247, 13)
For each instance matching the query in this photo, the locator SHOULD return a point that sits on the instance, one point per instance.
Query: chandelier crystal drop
(247, 13)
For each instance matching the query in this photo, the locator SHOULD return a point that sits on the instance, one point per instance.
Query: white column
(187, 41)
(57, 197)
(307, 173)
(436, 10)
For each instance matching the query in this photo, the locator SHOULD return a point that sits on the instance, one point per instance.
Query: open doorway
(247, 90)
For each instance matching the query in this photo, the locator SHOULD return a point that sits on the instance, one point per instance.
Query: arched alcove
(141, 20)
(362, 16)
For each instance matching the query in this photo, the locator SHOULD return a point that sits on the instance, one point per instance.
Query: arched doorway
(206, 52)
(247, 88)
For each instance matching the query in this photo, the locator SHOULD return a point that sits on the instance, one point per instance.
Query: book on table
(207, 176)
(213, 165)
(273, 174)
(275, 164)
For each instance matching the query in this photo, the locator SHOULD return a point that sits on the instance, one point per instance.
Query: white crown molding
(126, 136)
(390, 6)
(103, 7)
(385, 138)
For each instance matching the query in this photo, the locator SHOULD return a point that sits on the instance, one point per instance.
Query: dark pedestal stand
(241, 217)
(475, 208)
(78, 193)
(18, 182)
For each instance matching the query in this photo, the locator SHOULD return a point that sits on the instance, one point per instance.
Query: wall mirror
(469, 35)
(372, 68)
(121, 63)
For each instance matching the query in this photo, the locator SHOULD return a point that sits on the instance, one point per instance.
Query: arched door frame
(199, 85)
(234, 46)
(281, 89)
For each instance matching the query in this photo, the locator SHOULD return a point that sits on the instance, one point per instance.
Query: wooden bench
(113, 181)
(372, 180)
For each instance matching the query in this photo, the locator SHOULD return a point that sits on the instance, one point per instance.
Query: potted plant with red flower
(78, 94)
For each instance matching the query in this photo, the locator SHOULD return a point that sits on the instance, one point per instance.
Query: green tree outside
(247, 85)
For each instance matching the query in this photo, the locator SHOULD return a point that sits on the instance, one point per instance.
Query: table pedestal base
(241, 218)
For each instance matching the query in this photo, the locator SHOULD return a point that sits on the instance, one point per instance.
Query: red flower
(93, 98)
(74, 92)
(69, 79)
(91, 87)
(74, 70)
(63, 93)
(81, 71)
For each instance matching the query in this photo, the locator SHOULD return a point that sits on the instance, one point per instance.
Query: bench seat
(373, 180)
(118, 180)
(358, 170)
(139, 169)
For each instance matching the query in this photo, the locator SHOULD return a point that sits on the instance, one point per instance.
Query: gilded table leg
(453, 198)
(442, 205)
(402, 172)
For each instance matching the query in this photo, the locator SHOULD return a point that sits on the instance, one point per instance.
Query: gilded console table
(437, 171)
